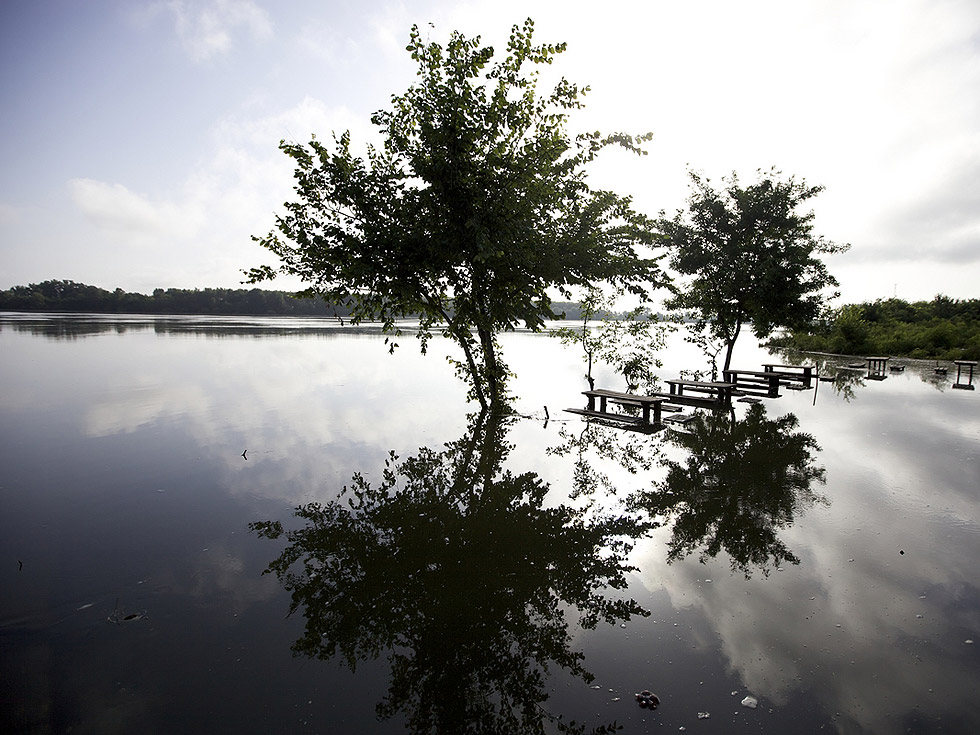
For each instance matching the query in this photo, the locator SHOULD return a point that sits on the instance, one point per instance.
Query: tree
(751, 257)
(474, 207)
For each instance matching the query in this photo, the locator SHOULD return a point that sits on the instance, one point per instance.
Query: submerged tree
(476, 205)
(630, 343)
(750, 255)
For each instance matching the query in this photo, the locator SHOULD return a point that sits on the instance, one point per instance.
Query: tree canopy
(476, 205)
(750, 255)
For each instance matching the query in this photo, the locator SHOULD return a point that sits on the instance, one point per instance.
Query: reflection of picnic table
(960, 365)
(645, 403)
(755, 382)
(877, 364)
(718, 392)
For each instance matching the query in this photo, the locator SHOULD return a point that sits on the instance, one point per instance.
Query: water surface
(817, 553)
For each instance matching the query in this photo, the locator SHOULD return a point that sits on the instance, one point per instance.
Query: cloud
(114, 207)
(207, 30)
(199, 232)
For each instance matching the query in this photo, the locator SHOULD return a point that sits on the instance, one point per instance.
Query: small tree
(474, 208)
(630, 343)
(750, 255)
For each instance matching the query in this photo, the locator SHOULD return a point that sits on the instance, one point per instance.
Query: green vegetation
(57, 295)
(71, 296)
(749, 255)
(472, 212)
(943, 329)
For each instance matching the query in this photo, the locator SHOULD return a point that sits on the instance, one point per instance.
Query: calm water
(818, 553)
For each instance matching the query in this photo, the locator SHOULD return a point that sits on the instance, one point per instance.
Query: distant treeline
(72, 296)
(944, 329)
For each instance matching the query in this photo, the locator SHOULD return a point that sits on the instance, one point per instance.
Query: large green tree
(749, 255)
(475, 207)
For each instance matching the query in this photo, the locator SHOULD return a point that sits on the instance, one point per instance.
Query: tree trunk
(491, 366)
(731, 345)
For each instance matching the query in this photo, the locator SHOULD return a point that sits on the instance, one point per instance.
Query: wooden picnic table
(802, 373)
(754, 380)
(720, 391)
(646, 403)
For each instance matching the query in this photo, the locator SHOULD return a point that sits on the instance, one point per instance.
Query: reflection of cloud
(307, 409)
(876, 633)
(218, 573)
(138, 406)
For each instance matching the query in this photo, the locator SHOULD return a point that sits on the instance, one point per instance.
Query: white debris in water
(968, 640)
(750, 702)
(704, 715)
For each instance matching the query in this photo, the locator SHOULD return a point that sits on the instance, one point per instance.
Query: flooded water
(803, 564)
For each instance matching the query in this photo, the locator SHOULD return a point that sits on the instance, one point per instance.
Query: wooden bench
(718, 392)
(754, 382)
(645, 403)
(796, 373)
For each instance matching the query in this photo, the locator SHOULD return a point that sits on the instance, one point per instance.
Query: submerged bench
(798, 373)
(716, 391)
(645, 403)
(754, 381)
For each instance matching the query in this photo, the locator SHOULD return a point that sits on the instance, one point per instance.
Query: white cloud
(199, 233)
(206, 30)
(115, 208)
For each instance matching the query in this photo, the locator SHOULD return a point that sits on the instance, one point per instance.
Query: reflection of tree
(742, 482)
(453, 567)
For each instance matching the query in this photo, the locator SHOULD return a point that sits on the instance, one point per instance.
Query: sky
(139, 140)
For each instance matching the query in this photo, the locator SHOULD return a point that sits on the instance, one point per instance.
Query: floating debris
(750, 702)
(704, 715)
(648, 699)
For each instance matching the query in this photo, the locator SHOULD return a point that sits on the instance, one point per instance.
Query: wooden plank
(700, 383)
(603, 415)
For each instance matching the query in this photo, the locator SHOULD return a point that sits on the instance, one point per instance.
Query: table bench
(719, 392)
(754, 381)
(798, 373)
(645, 403)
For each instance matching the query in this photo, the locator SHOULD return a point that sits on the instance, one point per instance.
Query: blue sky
(138, 140)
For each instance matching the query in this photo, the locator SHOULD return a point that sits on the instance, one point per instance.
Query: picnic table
(645, 403)
(754, 381)
(718, 391)
(799, 373)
